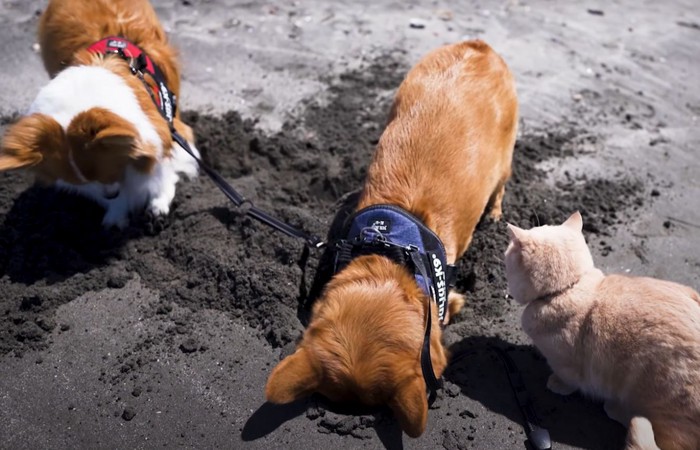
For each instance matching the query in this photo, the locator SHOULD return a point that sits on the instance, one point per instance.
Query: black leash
(139, 63)
(537, 436)
(238, 200)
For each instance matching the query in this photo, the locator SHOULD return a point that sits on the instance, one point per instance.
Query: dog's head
(98, 146)
(363, 345)
(86, 125)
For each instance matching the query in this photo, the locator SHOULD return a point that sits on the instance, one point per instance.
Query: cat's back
(644, 294)
(651, 330)
(649, 306)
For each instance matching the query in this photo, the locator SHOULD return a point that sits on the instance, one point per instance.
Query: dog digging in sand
(101, 126)
(632, 341)
(442, 161)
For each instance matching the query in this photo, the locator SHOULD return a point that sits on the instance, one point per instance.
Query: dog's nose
(110, 190)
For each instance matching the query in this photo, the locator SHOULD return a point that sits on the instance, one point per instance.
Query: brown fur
(632, 341)
(66, 29)
(445, 156)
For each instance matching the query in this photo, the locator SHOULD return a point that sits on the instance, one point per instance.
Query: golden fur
(445, 156)
(632, 341)
(101, 144)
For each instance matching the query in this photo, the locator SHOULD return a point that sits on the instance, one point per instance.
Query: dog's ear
(124, 141)
(27, 141)
(104, 143)
(297, 376)
(410, 406)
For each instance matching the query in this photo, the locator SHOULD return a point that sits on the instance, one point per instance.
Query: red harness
(140, 63)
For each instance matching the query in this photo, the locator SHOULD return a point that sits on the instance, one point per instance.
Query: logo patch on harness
(382, 225)
(167, 105)
(440, 284)
(113, 43)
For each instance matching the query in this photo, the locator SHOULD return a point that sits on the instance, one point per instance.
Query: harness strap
(433, 384)
(346, 251)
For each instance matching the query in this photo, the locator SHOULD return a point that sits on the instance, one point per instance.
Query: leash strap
(539, 437)
(238, 200)
(166, 102)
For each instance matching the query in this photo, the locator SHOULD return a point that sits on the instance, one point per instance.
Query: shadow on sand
(51, 235)
(268, 417)
(572, 420)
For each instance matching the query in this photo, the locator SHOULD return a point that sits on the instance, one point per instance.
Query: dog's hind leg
(494, 205)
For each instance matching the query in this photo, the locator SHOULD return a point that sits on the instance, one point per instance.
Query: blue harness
(392, 232)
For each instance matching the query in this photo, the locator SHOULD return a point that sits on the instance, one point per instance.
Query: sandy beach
(164, 334)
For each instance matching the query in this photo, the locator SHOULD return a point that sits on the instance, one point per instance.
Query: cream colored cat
(633, 342)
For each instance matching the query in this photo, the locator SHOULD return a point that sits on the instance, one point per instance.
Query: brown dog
(445, 157)
(96, 128)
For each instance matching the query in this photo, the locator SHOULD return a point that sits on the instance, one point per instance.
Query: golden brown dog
(445, 157)
(95, 128)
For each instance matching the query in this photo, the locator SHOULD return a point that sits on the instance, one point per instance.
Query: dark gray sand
(164, 334)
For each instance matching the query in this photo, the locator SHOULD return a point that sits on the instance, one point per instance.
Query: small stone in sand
(416, 23)
(445, 14)
(189, 346)
(128, 413)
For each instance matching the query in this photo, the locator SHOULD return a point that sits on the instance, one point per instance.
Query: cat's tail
(640, 435)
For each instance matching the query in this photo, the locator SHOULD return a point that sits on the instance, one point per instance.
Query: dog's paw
(556, 385)
(495, 214)
(158, 207)
(153, 224)
(115, 218)
(617, 412)
(156, 217)
(117, 214)
(110, 221)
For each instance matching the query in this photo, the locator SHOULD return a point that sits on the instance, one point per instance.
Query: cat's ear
(295, 377)
(575, 222)
(410, 406)
(516, 234)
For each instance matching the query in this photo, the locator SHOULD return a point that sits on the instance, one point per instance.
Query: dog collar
(140, 64)
(76, 170)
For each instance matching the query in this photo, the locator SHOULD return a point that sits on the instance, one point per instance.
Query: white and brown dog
(101, 126)
(444, 157)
